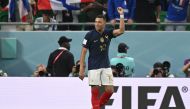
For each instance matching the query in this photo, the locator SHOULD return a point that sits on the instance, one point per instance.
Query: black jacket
(63, 65)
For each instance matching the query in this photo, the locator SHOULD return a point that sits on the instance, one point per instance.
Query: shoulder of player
(89, 34)
(108, 30)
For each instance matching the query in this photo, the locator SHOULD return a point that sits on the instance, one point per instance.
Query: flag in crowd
(12, 12)
(24, 8)
(59, 4)
(79, 1)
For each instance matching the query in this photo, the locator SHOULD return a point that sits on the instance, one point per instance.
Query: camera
(161, 69)
(2, 73)
(77, 67)
(156, 71)
(41, 73)
(120, 68)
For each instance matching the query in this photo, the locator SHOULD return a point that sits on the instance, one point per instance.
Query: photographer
(118, 70)
(161, 70)
(186, 67)
(75, 69)
(166, 68)
(157, 70)
(41, 71)
(122, 65)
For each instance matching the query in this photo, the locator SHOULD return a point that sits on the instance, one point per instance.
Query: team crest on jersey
(106, 36)
(103, 47)
(102, 39)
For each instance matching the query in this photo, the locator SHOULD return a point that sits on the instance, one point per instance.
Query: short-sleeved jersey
(98, 46)
(128, 62)
(177, 10)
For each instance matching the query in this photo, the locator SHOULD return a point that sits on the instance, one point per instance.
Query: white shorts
(103, 76)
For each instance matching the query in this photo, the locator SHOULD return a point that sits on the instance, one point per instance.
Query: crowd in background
(136, 11)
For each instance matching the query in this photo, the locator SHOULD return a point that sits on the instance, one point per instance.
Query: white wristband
(122, 16)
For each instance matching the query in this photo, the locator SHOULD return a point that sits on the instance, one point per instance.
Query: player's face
(100, 24)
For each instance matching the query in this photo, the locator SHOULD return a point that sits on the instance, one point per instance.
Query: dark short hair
(122, 48)
(101, 16)
(158, 65)
(63, 39)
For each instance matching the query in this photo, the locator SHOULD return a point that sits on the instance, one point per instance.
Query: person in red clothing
(99, 70)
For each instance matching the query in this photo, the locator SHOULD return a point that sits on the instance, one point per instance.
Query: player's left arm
(117, 32)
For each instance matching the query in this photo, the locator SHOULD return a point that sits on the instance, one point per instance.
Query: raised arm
(82, 61)
(117, 32)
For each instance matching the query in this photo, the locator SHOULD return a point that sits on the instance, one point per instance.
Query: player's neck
(100, 31)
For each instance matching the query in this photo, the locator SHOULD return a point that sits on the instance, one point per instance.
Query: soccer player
(99, 71)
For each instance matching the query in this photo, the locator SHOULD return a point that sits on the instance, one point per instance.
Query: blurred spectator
(4, 3)
(75, 70)
(91, 10)
(45, 19)
(122, 65)
(61, 61)
(147, 11)
(127, 5)
(3, 74)
(40, 71)
(177, 13)
(67, 17)
(186, 67)
(157, 70)
(164, 5)
(4, 10)
(166, 68)
(161, 70)
(188, 17)
(33, 4)
(75, 14)
(188, 12)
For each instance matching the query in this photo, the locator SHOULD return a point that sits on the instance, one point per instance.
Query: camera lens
(155, 71)
(41, 73)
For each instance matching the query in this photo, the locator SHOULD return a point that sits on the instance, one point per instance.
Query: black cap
(122, 47)
(63, 39)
